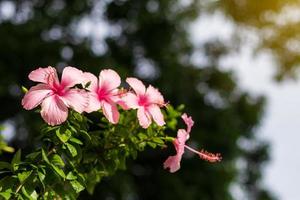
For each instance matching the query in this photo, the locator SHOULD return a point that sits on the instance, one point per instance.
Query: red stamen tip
(210, 157)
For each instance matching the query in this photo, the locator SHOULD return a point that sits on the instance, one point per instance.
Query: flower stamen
(210, 157)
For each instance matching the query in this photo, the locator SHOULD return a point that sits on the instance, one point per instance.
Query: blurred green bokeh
(150, 39)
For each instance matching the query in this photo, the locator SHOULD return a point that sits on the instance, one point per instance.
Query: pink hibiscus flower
(147, 101)
(54, 96)
(173, 162)
(104, 93)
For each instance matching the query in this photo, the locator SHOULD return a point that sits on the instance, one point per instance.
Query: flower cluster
(56, 97)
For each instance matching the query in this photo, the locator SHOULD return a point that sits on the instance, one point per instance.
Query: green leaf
(41, 178)
(8, 182)
(24, 175)
(34, 195)
(77, 186)
(45, 158)
(6, 194)
(86, 134)
(33, 155)
(5, 165)
(180, 107)
(93, 178)
(72, 128)
(59, 171)
(142, 136)
(75, 140)
(158, 141)
(31, 195)
(152, 144)
(71, 176)
(25, 193)
(81, 177)
(49, 128)
(64, 137)
(78, 116)
(8, 149)
(16, 160)
(57, 160)
(72, 149)
(172, 124)
(169, 139)
(141, 146)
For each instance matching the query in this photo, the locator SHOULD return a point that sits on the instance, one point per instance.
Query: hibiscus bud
(24, 89)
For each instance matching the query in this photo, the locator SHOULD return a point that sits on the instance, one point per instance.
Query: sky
(281, 121)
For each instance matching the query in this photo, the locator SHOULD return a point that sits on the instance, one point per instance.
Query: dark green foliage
(73, 158)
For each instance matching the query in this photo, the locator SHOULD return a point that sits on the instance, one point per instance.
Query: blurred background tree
(150, 39)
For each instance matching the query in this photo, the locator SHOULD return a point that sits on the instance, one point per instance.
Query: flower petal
(116, 96)
(54, 111)
(156, 114)
(109, 79)
(136, 85)
(188, 121)
(89, 77)
(44, 75)
(182, 137)
(143, 117)
(123, 104)
(173, 163)
(35, 96)
(131, 100)
(94, 103)
(76, 99)
(154, 95)
(110, 111)
(72, 76)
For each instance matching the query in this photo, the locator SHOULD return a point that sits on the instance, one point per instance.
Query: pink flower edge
(54, 96)
(173, 162)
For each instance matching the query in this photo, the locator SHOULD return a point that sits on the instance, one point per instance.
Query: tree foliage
(78, 154)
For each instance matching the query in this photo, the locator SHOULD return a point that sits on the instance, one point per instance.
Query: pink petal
(89, 77)
(110, 111)
(94, 103)
(173, 163)
(113, 95)
(143, 117)
(157, 116)
(154, 95)
(35, 96)
(44, 75)
(131, 100)
(123, 104)
(109, 79)
(54, 111)
(188, 121)
(72, 76)
(76, 99)
(182, 137)
(136, 85)
(116, 96)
